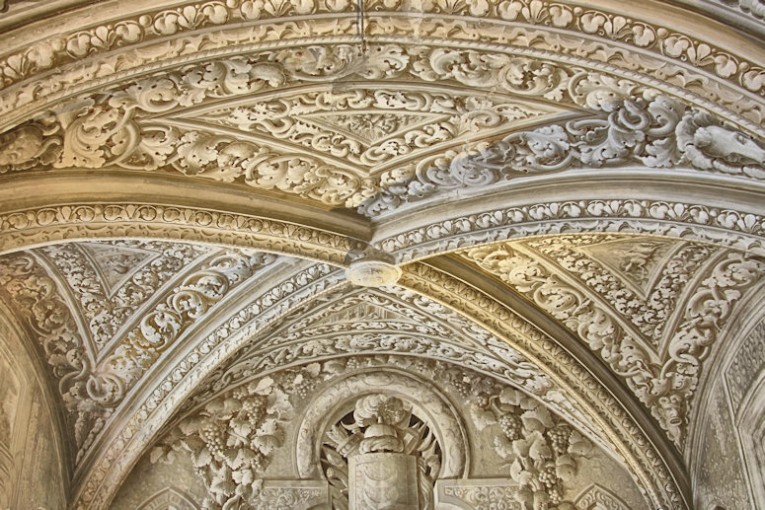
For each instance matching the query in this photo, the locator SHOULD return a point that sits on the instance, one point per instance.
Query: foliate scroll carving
(35, 295)
(124, 127)
(370, 128)
(389, 322)
(55, 223)
(189, 302)
(112, 279)
(525, 16)
(633, 442)
(394, 320)
(33, 144)
(291, 495)
(639, 278)
(182, 379)
(231, 441)
(656, 132)
(666, 383)
(92, 389)
(476, 494)
(542, 450)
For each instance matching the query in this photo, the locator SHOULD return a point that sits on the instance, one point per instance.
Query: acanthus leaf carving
(658, 132)
(652, 131)
(92, 389)
(665, 383)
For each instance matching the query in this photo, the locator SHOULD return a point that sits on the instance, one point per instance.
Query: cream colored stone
(414, 254)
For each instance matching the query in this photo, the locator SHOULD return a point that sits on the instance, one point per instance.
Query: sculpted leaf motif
(657, 133)
(665, 384)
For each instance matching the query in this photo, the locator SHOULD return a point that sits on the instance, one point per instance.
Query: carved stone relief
(371, 112)
(496, 494)
(754, 8)
(93, 383)
(381, 455)
(541, 450)
(628, 127)
(589, 297)
(393, 321)
(371, 128)
(742, 230)
(577, 34)
(111, 280)
(394, 406)
(231, 441)
(658, 132)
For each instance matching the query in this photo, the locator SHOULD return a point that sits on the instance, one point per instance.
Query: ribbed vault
(571, 190)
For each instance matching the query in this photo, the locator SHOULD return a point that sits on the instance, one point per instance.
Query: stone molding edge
(27, 352)
(736, 229)
(190, 18)
(179, 380)
(25, 228)
(45, 225)
(643, 460)
(739, 107)
(741, 324)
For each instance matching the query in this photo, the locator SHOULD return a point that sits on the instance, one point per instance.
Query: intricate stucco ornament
(625, 127)
(623, 317)
(655, 132)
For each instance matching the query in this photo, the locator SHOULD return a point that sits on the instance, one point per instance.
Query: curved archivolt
(573, 194)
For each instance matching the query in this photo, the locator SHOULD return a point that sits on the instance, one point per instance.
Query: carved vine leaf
(231, 440)
(664, 383)
(541, 451)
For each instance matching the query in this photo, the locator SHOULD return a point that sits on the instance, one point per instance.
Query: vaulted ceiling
(565, 197)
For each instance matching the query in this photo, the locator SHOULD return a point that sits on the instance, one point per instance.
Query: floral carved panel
(650, 307)
(104, 313)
